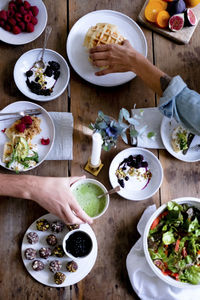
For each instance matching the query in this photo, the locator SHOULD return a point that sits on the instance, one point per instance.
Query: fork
(22, 113)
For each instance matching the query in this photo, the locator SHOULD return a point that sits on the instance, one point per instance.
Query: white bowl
(66, 237)
(129, 192)
(167, 279)
(96, 182)
(25, 37)
(26, 61)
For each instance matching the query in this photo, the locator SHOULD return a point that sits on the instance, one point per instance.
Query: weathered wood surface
(116, 230)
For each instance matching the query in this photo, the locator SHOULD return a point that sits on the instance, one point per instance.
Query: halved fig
(176, 22)
(190, 18)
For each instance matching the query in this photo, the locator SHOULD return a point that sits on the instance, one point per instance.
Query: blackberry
(48, 72)
(144, 164)
(121, 182)
(56, 75)
(37, 78)
(54, 65)
(139, 158)
(29, 73)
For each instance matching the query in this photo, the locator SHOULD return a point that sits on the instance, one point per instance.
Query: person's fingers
(98, 55)
(104, 72)
(126, 43)
(80, 212)
(75, 178)
(69, 217)
(99, 48)
(100, 63)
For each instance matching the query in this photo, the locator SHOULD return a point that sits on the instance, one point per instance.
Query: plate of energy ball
(45, 258)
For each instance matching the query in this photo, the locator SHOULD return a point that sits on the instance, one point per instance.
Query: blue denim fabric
(181, 103)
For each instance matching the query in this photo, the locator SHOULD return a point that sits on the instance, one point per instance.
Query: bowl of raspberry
(21, 21)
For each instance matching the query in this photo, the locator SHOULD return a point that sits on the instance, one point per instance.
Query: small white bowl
(25, 63)
(66, 237)
(154, 165)
(25, 37)
(167, 279)
(96, 182)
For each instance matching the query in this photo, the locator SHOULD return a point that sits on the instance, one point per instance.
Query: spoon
(40, 63)
(116, 189)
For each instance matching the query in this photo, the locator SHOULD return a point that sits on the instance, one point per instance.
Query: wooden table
(116, 230)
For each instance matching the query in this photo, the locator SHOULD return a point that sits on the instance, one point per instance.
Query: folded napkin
(145, 283)
(150, 118)
(63, 144)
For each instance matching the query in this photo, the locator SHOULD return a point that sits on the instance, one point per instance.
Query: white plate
(193, 153)
(47, 130)
(25, 63)
(78, 55)
(46, 276)
(154, 166)
(25, 37)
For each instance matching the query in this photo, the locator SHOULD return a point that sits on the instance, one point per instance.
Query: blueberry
(124, 168)
(48, 72)
(139, 158)
(144, 164)
(37, 78)
(126, 178)
(54, 65)
(29, 73)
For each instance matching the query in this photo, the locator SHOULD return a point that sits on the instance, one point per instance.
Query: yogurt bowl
(86, 191)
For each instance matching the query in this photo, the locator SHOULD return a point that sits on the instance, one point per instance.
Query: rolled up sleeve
(182, 104)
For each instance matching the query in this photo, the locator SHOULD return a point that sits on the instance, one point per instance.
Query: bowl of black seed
(41, 84)
(77, 244)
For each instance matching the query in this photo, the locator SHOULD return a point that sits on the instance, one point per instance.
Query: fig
(176, 22)
(190, 18)
(176, 7)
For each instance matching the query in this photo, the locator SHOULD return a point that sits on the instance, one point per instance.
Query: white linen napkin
(151, 118)
(63, 143)
(144, 282)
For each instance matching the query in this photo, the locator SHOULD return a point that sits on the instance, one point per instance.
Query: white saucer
(45, 276)
(78, 55)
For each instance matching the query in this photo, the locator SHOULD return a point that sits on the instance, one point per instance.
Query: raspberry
(27, 18)
(3, 130)
(18, 17)
(2, 23)
(10, 13)
(3, 15)
(30, 13)
(34, 20)
(27, 5)
(16, 30)
(22, 10)
(19, 2)
(45, 141)
(12, 21)
(29, 27)
(22, 25)
(20, 127)
(27, 120)
(35, 10)
(7, 27)
(12, 6)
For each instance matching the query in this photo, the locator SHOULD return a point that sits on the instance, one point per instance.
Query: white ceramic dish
(167, 279)
(26, 61)
(46, 276)
(78, 55)
(94, 181)
(154, 165)
(25, 37)
(64, 246)
(47, 130)
(193, 153)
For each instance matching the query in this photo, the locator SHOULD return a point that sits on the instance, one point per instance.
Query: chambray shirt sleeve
(182, 104)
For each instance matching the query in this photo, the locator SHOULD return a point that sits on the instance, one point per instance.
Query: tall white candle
(96, 149)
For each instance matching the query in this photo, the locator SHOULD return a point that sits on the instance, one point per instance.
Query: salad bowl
(180, 257)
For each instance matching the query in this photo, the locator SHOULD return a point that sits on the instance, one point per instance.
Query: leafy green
(168, 238)
(192, 274)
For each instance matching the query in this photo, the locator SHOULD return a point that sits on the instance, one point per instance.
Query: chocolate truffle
(32, 238)
(57, 226)
(73, 226)
(59, 277)
(72, 266)
(45, 252)
(58, 251)
(37, 265)
(30, 253)
(42, 225)
(51, 240)
(55, 266)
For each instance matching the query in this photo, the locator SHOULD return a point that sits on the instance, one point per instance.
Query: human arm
(123, 58)
(52, 193)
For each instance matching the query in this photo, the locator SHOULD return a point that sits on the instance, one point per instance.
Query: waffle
(102, 34)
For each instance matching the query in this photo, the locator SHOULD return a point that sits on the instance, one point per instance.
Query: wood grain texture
(16, 215)
(116, 230)
(182, 37)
